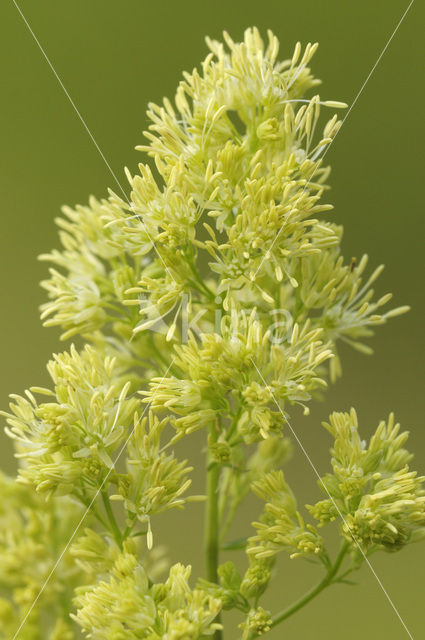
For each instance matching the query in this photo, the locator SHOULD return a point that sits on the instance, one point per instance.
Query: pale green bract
(213, 299)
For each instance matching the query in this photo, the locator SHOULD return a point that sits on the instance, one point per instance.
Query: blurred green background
(114, 57)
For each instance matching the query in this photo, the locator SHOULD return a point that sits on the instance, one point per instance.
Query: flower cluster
(258, 621)
(281, 525)
(126, 606)
(218, 369)
(33, 533)
(241, 179)
(380, 501)
(243, 140)
(72, 444)
(98, 272)
(71, 440)
(213, 299)
(155, 480)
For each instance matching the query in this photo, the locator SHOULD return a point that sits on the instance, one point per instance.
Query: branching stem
(114, 528)
(313, 592)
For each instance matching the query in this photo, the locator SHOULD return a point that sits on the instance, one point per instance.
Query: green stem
(91, 506)
(114, 526)
(129, 528)
(206, 289)
(312, 593)
(157, 352)
(211, 544)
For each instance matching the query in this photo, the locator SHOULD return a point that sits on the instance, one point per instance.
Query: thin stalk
(211, 543)
(206, 289)
(157, 352)
(129, 528)
(91, 506)
(312, 593)
(115, 530)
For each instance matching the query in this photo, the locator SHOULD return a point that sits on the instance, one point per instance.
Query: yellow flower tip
(398, 311)
(335, 104)
(149, 536)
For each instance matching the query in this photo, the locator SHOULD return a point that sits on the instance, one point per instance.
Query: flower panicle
(381, 502)
(215, 297)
